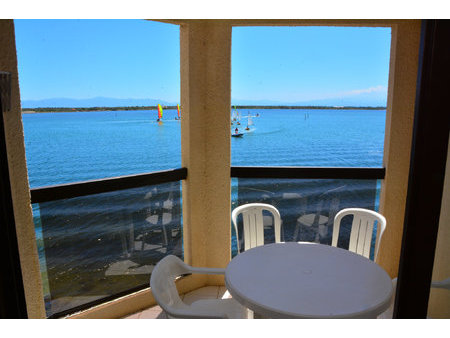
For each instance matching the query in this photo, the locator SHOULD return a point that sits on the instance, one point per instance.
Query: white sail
(250, 121)
(233, 116)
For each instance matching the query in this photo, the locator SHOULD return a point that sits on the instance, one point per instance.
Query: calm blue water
(283, 137)
(80, 146)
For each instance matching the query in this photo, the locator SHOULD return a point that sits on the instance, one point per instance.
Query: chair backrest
(253, 224)
(362, 229)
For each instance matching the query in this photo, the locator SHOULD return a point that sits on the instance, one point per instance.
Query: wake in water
(251, 130)
(275, 131)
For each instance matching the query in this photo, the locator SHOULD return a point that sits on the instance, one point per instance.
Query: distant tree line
(310, 107)
(69, 109)
(86, 109)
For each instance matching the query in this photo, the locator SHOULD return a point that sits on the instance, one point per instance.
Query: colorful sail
(179, 111)
(160, 112)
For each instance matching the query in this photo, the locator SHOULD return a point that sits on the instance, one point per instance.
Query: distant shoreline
(89, 109)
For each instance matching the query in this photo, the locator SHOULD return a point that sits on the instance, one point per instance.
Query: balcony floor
(211, 292)
(155, 312)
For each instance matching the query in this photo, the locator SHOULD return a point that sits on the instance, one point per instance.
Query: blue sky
(90, 58)
(140, 59)
(296, 64)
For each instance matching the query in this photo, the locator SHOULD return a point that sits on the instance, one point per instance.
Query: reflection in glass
(100, 245)
(307, 206)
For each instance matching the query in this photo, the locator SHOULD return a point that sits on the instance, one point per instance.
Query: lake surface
(80, 146)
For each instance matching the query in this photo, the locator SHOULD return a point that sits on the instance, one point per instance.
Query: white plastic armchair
(253, 223)
(362, 229)
(162, 283)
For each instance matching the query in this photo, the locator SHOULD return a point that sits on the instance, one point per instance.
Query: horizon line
(151, 107)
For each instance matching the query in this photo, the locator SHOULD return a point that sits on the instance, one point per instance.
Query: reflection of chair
(443, 284)
(253, 223)
(162, 283)
(362, 230)
(159, 212)
(154, 226)
(321, 220)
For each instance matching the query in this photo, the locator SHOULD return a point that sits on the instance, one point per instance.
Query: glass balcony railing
(307, 205)
(100, 240)
(102, 245)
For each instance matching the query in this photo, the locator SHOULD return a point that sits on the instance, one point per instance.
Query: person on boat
(236, 131)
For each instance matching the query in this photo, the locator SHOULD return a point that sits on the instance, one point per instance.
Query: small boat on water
(249, 122)
(238, 117)
(234, 115)
(178, 117)
(237, 133)
(160, 114)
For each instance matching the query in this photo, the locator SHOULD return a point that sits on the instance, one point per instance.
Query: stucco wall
(19, 178)
(398, 139)
(205, 139)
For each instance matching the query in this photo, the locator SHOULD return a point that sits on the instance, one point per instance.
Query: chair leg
(166, 241)
(297, 229)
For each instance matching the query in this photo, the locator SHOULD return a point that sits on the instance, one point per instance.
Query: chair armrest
(208, 271)
(442, 284)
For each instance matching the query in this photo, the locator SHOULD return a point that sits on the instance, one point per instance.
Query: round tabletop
(308, 280)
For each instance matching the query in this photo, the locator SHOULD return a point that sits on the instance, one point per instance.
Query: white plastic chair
(162, 283)
(362, 229)
(253, 223)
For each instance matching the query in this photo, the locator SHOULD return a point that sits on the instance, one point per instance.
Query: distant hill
(345, 102)
(368, 98)
(92, 102)
(371, 99)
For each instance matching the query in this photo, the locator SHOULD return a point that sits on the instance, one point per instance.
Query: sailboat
(234, 115)
(179, 112)
(160, 113)
(249, 122)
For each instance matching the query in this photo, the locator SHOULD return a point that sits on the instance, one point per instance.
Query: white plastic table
(306, 280)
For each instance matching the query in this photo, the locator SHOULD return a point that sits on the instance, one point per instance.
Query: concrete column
(398, 137)
(19, 178)
(205, 137)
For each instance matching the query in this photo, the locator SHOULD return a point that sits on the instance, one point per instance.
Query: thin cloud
(369, 90)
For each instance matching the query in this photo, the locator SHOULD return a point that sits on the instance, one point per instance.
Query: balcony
(206, 201)
(100, 240)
